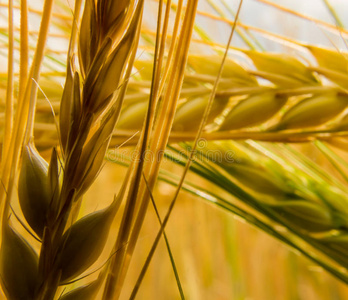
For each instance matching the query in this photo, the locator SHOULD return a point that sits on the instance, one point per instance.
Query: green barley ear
(248, 170)
(18, 266)
(82, 243)
(33, 189)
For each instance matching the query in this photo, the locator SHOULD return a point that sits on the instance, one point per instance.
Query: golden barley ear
(244, 107)
(293, 97)
(90, 107)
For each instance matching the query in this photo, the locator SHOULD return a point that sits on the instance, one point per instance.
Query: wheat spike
(294, 107)
(296, 90)
(86, 124)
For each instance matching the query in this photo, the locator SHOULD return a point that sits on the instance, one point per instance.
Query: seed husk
(187, 115)
(285, 65)
(85, 292)
(253, 111)
(88, 32)
(331, 59)
(256, 179)
(313, 111)
(210, 65)
(33, 191)
(82, 244)
(18, 266)
(132, 117)
(304, 214)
